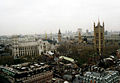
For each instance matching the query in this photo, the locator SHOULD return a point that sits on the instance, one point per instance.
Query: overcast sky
(40, 16)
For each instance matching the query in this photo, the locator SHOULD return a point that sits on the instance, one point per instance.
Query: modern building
(28, 73)
(99, 37)
(112, 38)
(5, 40)
(105, 77)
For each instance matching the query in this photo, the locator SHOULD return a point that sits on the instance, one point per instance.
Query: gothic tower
(79, 37)
(59, 36)
(99, 38)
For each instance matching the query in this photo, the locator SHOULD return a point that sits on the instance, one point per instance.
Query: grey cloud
(40, 16)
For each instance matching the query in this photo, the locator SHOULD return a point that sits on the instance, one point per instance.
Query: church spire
(103, 23)
(59, 32)
(79, 37)
(98, 22)
(94, 24)
(59, 36)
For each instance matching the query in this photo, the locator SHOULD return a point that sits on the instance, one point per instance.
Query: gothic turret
(59, 36)
(99, 38)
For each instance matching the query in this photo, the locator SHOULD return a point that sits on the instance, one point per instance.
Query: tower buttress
(103, 24)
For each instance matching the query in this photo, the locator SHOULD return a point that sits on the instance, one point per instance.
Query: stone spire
(79, 37)
(59, 32)
(98, 22)
(103, 23)
(59, 36)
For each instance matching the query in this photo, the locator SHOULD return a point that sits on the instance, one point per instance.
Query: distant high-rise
(79, 30)
(59, 36)
(51, 36)
(45, 35)
(99, 37)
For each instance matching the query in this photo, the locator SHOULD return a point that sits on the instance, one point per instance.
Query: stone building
(79, 38)
(30, 48)
(28, 73)
(59, 36)
(99, 37)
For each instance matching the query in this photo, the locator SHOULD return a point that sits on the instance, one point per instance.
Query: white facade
(30, 48)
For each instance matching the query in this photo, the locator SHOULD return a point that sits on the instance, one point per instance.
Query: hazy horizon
(40, 16)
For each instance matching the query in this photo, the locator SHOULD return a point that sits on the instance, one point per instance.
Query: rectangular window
(101, 41)
(97, 35)
(97, 41)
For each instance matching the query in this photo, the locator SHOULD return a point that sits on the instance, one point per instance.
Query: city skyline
(40, 16)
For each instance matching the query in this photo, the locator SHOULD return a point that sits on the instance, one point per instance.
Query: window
(96, 34)
(101, 35)
(97, 41)
(101, 41)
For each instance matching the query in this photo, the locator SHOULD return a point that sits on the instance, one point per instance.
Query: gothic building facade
(30, 48)
(59, 36)
(99, 38)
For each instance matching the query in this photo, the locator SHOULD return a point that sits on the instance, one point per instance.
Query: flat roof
(67, 58)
